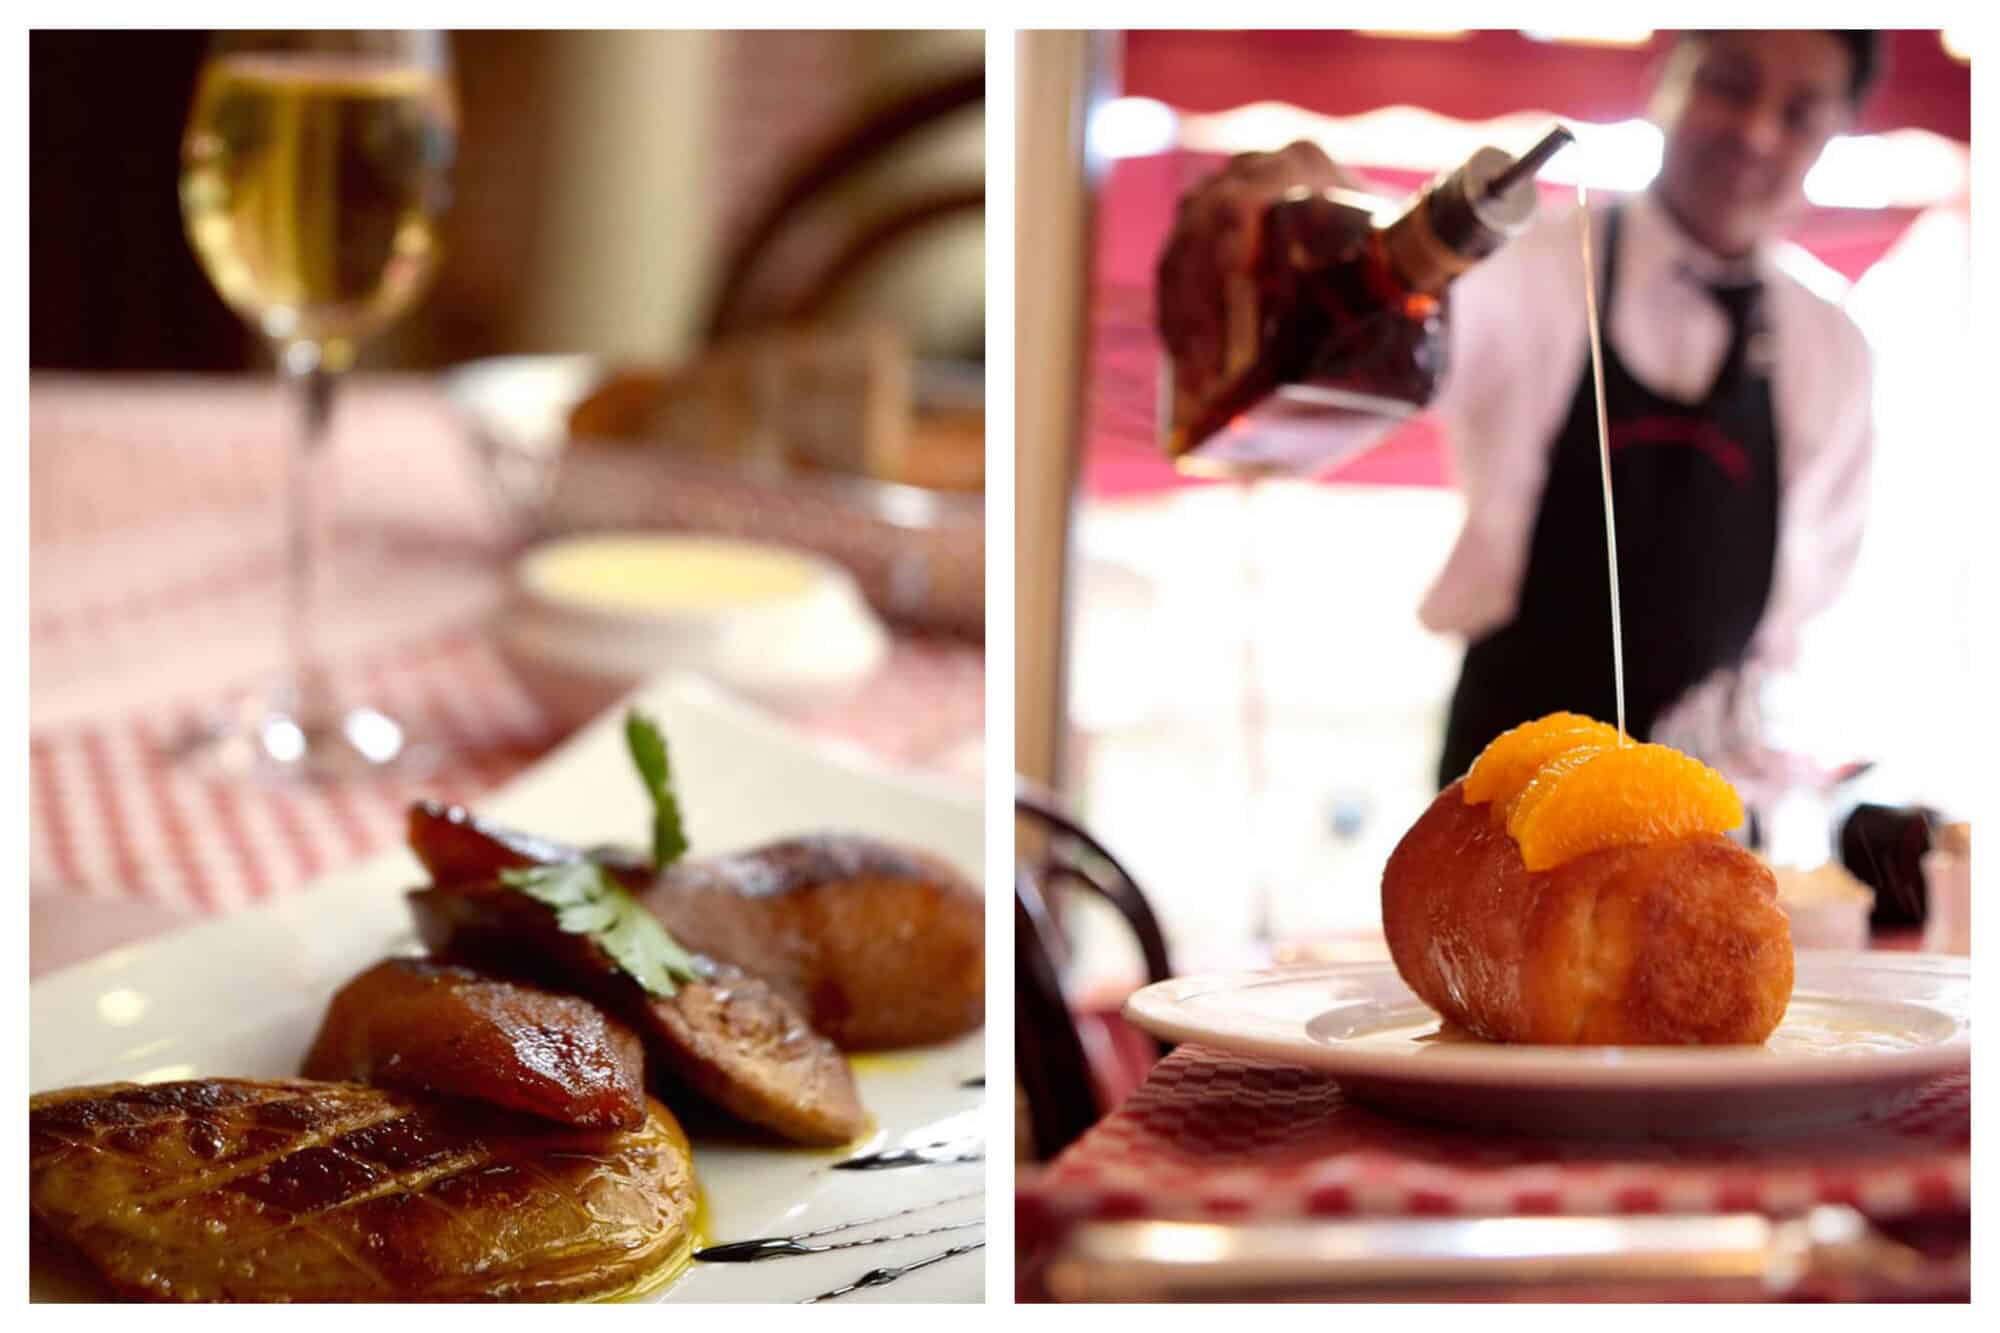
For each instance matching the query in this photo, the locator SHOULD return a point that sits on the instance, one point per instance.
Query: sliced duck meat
(425, 1026)
(878, 945)
(724, 1033)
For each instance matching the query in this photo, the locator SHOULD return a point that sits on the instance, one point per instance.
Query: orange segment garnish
(1617, 797)
(1520, 806)
(1506, 767)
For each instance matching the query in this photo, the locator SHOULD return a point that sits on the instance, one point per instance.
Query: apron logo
(1705, 437)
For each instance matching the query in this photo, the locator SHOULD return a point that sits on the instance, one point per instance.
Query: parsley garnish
(649, 753)
(587, 901)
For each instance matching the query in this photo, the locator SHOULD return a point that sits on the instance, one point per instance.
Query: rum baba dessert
(1576, 888)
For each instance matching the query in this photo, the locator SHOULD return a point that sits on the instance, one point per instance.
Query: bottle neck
(1420, 257)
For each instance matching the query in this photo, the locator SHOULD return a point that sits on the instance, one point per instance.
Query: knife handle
(1747, 1254)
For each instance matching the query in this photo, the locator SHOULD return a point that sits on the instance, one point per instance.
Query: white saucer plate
(1863, 1031)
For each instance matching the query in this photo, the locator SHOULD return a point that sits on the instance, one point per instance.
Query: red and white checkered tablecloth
(154, 584)
(111, 818)
(1211, 1136)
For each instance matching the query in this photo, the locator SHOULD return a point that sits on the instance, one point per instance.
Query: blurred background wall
(602, 177)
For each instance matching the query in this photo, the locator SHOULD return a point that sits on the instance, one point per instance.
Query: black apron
(1695, 488)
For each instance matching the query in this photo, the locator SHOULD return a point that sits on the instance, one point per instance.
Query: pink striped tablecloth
(153, 605)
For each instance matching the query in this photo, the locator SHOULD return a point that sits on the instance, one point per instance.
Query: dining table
(157, 568)
(1232, 1153)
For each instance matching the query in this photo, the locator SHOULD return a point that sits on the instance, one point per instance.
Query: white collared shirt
(1518, 351)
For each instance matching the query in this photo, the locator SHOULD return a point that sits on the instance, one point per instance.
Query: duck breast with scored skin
(291, 1190)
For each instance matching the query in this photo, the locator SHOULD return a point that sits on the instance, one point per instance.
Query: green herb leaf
(587, 901)
(649, 754)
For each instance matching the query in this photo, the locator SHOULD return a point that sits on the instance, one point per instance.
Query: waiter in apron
(1737, 394)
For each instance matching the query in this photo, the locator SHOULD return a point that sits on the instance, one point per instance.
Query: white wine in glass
(315, 170)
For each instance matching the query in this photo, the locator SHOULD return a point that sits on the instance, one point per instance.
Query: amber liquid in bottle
(1337, 328)
(1345, 344)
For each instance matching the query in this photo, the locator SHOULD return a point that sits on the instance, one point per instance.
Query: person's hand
(1206, 304)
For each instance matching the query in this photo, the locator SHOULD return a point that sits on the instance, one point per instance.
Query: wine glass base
(356, 743)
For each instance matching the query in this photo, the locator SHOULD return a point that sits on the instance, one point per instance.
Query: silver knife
(1745, 1254)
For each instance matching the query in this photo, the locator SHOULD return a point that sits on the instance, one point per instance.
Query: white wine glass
(315, 171)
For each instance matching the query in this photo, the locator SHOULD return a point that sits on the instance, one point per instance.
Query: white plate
(243, 995)
(1862, 1030)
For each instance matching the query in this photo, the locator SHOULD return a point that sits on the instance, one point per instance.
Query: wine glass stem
(309, 505)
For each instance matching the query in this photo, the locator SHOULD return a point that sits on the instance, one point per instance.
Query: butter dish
(591, 616)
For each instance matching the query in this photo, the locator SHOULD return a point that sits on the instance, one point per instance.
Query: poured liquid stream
(1603, 452)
